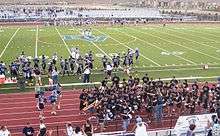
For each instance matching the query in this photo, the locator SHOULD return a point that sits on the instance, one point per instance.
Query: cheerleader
(53, 100)
(41, 103)
(38, 91)
(57, 87)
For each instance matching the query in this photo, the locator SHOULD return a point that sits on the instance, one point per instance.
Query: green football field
(177, 49)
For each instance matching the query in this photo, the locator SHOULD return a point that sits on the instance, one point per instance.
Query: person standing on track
(140, 128)
(43, 129)
(69, 129)
(57, 88)
(28, 130)
(87, 72)
(88, 128)
(53, 100)
(4, 131)
(41, 103)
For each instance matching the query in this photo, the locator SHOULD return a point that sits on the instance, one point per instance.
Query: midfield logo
(92, 38)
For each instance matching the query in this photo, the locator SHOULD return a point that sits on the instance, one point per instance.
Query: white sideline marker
(9, 42)
(36, 42)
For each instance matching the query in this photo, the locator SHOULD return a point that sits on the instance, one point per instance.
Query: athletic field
(177, 49)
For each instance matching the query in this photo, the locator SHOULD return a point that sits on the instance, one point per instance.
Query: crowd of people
(42, 130)
(123, 97)
(76, 64)
(119, 98)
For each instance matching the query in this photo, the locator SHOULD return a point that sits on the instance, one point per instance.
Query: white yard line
(193, 35)
(191, 39)
(101, 50)
(130, 48)
(188, 47)
(214, 34)
(63, 41)
(9, 42)
(187, 60)
(204, 32)
(36, 43)
(153, 45)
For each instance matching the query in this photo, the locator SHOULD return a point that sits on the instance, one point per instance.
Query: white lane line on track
(75, 96)
(9, 42)
(63, 41)
(7, 103)
(49, 117)
(47, 124)
(33, 107)
(33, 112)
(130, 48)
(187, 60)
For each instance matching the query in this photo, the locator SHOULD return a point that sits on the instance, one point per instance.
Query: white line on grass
(164, 70)
(191, 39)
(215, 34)
(130, 48)
(97, 47)
(36, 42)
(63, 41)
(9, 42)
(201, 37)
(163, 79)
(166, 50)
(204, 32)
(100, 49)
(153, 45)
(187, 47)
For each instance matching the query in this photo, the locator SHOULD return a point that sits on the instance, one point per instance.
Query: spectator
(88, 128)
(190, 132)
(4, 131)
(69, 129)
(140, 127)
(28, 130)
(43, 129)
(78, 132)
(54, 75)
(86, 73)
(53, 100)
(37, 74)
(216, 128)
(109, 69)
(159, 106)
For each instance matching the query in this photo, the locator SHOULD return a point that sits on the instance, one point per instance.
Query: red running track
(19, 108)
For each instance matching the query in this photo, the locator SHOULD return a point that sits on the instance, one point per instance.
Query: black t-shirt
(28, 131)
(116, 79)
